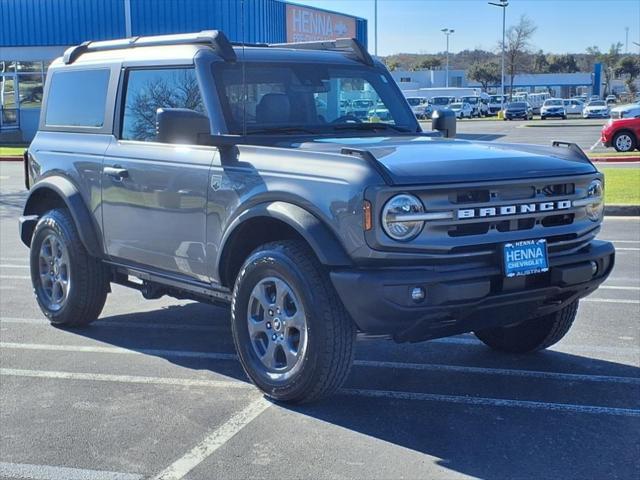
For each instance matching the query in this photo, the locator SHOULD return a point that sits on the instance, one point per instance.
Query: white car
(596, 109)
(420, 107)
(553, 107)
(631, 110)
(573, 106)
(462, 109)
(479, 107)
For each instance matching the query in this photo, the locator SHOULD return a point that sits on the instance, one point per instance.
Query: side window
(77, 98)
(149, 90)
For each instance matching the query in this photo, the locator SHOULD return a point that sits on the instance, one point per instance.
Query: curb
(10, 159)
(635, 158)
(622, 210)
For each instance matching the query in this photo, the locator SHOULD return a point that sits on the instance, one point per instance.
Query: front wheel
(294, 338)
(624, 142)
(531, 335)
(71, 286)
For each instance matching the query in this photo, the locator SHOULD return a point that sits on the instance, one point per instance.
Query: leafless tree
(517, 47)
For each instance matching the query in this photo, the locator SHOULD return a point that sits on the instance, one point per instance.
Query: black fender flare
(315, 232)
(64, 189)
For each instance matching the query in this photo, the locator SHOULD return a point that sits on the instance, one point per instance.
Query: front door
(154, 195)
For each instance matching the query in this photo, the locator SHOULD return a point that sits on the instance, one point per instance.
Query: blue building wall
(69, 22)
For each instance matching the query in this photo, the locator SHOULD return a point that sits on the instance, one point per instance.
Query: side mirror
(444, 121)
(180, 125)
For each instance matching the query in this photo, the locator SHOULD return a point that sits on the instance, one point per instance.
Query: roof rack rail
(341, 44)
(215, 38)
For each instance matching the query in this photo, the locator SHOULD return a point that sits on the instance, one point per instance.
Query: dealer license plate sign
(525, 258)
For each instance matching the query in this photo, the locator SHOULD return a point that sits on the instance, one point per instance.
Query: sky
(564, 26)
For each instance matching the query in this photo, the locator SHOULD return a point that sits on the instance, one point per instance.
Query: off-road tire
(89, 279)
(330, 330)
(532, 335)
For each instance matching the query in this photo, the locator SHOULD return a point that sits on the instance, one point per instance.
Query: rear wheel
(624, 142)
(532, 335)
(293, 336)
(71, 286)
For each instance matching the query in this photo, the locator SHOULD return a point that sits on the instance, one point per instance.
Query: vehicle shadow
(482, 441)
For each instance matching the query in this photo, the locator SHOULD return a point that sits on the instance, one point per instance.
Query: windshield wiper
(285, 130)
(373, 126)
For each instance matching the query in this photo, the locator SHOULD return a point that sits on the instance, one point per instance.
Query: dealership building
(34, 32)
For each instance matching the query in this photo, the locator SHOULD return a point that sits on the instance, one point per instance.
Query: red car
(623, 134)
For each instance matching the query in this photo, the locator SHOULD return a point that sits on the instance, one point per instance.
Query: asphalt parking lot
(585, 133)
(153, 390)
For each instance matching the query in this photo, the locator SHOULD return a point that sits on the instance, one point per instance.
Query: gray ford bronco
(186, 166)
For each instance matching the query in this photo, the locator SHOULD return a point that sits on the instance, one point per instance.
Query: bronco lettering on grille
(503, 210)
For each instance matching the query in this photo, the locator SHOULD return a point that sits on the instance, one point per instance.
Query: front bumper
(516, 115)
(596, 115)
(379, 300)
(552, 113)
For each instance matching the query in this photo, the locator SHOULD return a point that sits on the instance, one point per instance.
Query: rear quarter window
(77, 98)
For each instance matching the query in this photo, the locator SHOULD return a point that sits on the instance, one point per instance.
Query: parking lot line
(15, 277)
(101, 377)
(363, 363)
(49, 472)
(627, 249)
(213, 441)
(5, 265)
(116, 324)
(492, 402)
(616, 287)
(119, 350)
(610, 300)
(499, 371)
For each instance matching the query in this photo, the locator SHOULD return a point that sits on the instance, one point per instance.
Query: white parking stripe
(102, 377)
(493, 402)
(116, 324)
(213, 441)
(610, 300)
(49, 472)
(572, 377)
(624, 241)
(15, 277)
(627, 249)
(561, 347)
(616, 287)
(118, 350)
(4, 265)
(364, 363)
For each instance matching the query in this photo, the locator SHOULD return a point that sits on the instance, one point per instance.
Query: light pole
(375, 27)
(503, 4)
(447, 32)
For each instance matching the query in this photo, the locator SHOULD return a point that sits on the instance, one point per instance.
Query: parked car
(515, 110)
(631, 110)
(622, 134)
(380, 114)
(360, 108)
(150, 171)
(497, 103)
(553, 108)
(420, 107)
(441, 102)
(611, 99)
(462, 109)
(478, 105)
(573, 106)
(596, 109)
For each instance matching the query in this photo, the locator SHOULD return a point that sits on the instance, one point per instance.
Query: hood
(432, 160)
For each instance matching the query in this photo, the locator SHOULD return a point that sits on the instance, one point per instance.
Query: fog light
(418, 294)
(594, 268)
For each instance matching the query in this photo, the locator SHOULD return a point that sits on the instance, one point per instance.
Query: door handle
(116, 172)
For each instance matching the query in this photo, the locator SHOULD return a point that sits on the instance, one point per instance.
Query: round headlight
(397, 227)
(595, 209)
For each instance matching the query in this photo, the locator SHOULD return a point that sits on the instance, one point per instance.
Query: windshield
(551, 103)
(441, 100)
(414, 102)
(456, 105)
(495, 99)
(471, 100)
(309, 98)
(517, 105)
(597, 103)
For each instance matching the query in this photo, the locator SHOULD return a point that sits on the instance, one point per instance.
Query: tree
(485, 74)
(429, 63)
(517, 46)
(392, 64)
(562, 64)
(540, 63)
(629, 66)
